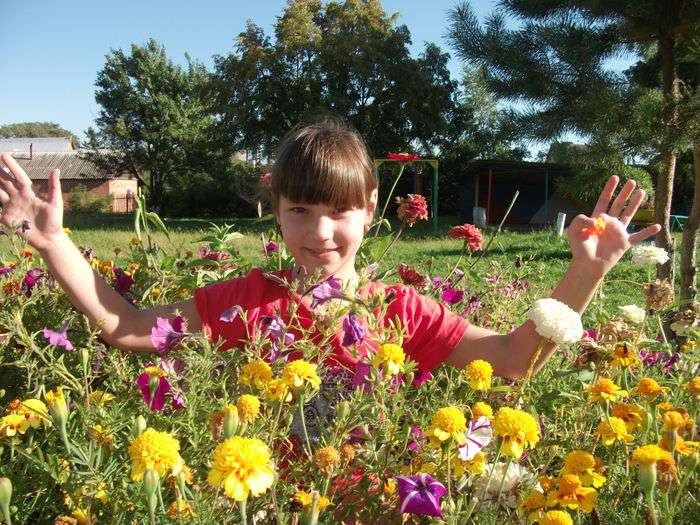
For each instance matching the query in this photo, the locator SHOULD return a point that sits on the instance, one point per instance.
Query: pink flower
(59, 338)
(412, 208)
(266, 180)
(155, 386)
(452, 296)
(166, 335)
(331, 288)
(271, 247)
(411, 277)
(230, 314)
(421, 378)
(403, 157)
(354, 332)
(420, 494)
(472, 236)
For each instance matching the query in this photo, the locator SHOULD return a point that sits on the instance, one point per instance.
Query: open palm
(38, 220)
(603, 249)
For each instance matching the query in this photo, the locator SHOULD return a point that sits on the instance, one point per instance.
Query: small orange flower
(597, 228)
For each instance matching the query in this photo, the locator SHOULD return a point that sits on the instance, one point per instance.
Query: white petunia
(478, 436)
(556, 321)
(515, 480)
(648, 254)
(633, 313)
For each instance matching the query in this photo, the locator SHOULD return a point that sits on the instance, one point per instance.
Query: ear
(372, 205)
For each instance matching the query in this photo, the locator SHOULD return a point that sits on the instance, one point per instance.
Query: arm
(592, 258)
(122, 325)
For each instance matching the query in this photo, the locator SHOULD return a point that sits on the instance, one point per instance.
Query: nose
(322, 228)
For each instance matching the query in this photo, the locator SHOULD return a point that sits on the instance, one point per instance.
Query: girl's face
(321, 237)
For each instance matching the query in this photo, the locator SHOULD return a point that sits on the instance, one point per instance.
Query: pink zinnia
(403, 157)
(472, 236)
(412, 208)
(411, 277)
(266, 180)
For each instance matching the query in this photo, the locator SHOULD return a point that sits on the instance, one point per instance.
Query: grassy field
(546, 255)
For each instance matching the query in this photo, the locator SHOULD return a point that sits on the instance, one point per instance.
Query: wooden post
(546, 196)
(435, 196)
(488, 197)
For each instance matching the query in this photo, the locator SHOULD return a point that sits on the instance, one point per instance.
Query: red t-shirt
(431, 331)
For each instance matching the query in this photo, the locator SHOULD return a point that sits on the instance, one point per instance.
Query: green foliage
(36, 129)
(82, 201)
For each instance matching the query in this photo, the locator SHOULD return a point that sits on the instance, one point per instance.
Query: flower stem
(388, 199)
(303, 426)
(503, 480)
(393, 241)
(244, 514)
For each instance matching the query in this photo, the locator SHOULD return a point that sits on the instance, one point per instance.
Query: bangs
(324, 164)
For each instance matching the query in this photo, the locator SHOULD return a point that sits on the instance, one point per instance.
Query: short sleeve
(431, 331)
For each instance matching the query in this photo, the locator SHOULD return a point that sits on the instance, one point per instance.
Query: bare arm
(592, 258)
(123, 325)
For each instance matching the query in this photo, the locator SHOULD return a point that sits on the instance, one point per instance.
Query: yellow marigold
(688, 346)
(298, 373)
(672, 420)
(242, 466)
(101, 436)
(155, 371)
(156, 450)
(81, 516)
(632, 415)
(35, 411)
(555, 517)
(99, 397)
(156, 292)
(480, 409)
(181, 509)
(517, 429)
(55, 399)
(248, 408)
(694, 386)
(389, 487)
(476, 465)
(648, 387)
(277, 390)
(448, 423)
(65, 520)
(649, 454)
(135, 241)
(625, 356)
(683, 447)
(583, 464)
(256, 373)
(390, 357)
(67, 230)
(327, 458)
(479, 373)
(534, 502)
(12, 424)
(605, 390)
(572, 494)
(306, 500)
(613, 429)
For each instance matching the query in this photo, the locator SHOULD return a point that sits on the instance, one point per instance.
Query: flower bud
(5, 497)
(647, 477)
(230, 420)
(343, 409)
(151, 482)
(139, 426)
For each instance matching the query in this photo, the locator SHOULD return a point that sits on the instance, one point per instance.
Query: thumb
(55, 196)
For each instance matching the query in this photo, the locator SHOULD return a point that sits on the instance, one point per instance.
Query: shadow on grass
(124, 221)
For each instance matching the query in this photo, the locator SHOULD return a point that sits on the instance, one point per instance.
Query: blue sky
(52, 51)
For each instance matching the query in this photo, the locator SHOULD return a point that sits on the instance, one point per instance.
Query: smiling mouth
(321, 252)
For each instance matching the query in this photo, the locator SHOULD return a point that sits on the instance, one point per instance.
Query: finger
(605, 196)
(621, 199)
(54, 195)
(647, 232)
(4, 197)
(17, 171)
(7, 182)
(632, 207)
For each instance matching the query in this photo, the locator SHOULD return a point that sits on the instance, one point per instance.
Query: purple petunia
(6, 270)
(354, 331)
(271, 247)
(155, 389)
(452, 296)
(230, 314)
(59, 338)
(31, 279)
(415, 439)
(361, 379)
(166, 335)
(420, 378)
(331, 288)
(420, 494)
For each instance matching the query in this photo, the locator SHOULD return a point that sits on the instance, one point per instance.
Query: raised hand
(37, 220)
(600, 245)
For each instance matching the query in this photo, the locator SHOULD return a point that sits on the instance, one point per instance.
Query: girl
(324, 196)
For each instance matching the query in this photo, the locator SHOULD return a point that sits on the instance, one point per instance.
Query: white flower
(516, 478)
(633, 313)
(648, 254)
(556, 321)
(479, 434)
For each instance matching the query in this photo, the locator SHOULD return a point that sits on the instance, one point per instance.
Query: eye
(339, 211)
(298, 209)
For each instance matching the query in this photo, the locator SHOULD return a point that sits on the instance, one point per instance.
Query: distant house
(490, 184)
(38, 156)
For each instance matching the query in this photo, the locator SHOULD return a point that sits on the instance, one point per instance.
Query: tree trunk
(690, 235)
(664, 184)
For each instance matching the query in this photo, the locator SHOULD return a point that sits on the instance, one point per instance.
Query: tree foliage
(36, 129)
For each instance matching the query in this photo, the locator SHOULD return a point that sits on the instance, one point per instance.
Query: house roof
(39, 145)
(73, 165)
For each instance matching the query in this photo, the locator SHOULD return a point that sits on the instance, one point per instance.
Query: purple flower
(670, 362)
(361, 379)
(473, 305)
(650, 358)
(123, 282)
(166, 335)
(271, 247)
(452, 296)
(230, 314)
(59, 338)
(358, 435)
(420, 494)
(31, 279)
(7, 269)
(421, 378)
(437, 282)
(415, 438)
(273, 327)
(479, 434)
(354, 331)
(153, 389)
(26, 226)
(331, 288)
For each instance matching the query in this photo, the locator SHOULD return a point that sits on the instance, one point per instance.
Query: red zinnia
(412, 208)
(471, 235)
(411, 277)
(266, 180)
(403, 157)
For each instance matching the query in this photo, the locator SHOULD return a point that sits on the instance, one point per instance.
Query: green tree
(36, 129)
(155, 121)
(556, 63)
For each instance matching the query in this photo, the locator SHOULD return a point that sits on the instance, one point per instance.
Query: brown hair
(327, 162)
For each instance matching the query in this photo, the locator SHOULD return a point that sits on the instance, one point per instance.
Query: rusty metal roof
(73, 165)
